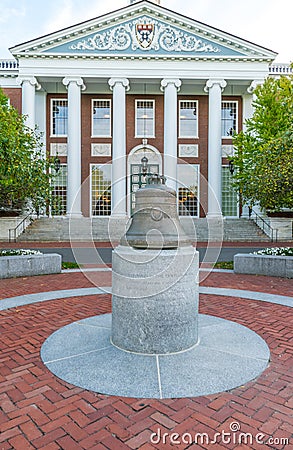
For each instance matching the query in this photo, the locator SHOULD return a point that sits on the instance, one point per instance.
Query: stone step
(99, 229)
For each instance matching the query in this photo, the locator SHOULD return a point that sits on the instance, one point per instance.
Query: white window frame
(195, 136)
(50, 206)
(92, 117)
(154, 118)
(237, 111)
(51, 116)
(226, 167)
(197, 166)
(91, 191)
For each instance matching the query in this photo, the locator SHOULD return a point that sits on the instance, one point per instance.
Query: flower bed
(19, 252)
(275, 251)
(20, 263)
(276, 262)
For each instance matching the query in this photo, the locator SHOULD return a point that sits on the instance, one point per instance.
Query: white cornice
(8, 75)
(134, 69)
(107, 57)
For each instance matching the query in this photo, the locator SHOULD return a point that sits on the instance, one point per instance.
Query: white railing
(264, 225)
(13, 233)
(280, 69)
(8, 64)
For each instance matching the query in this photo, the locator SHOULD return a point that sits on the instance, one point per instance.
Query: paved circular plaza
(39, 410)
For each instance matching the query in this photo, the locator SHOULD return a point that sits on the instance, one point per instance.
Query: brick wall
(14, 94)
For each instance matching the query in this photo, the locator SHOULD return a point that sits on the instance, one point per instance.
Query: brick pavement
(40, 411)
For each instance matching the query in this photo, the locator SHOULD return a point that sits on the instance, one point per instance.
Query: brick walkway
(39, 411)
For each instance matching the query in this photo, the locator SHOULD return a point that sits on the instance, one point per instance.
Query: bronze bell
(155, 222)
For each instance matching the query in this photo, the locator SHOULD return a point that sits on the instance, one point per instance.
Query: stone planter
(7, 223)
(275, 266)
(284, 225)
(28, 265)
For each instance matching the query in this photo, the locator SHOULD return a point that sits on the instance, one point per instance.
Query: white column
(119, 87)
(170, 87)
(74, 86)
(214, 88)
(29, 85)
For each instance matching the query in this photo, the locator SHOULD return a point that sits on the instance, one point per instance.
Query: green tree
(24, 173)
(263, 159)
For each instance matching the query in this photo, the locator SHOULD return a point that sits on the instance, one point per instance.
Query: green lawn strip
(228, 265)
(70, 265)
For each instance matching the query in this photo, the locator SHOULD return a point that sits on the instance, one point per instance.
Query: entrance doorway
(136, 178)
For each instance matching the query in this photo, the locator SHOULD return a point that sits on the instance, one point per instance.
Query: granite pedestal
(154, 299)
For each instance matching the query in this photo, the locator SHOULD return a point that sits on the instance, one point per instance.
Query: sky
(264, 22)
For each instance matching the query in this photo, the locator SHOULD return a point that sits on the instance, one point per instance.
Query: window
(101, 118)
(229, 119)
(59, 117)
(187, 179)
(229, 194)
(145, 118)
(101, 189)
(138, 180)
(58, 206)
(188, 119)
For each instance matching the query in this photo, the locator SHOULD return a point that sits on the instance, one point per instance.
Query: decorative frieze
(57, 149)
(227, 151)
(101, 150)
(188, 150)
(145, 33)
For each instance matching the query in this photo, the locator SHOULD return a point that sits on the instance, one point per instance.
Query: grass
(219, 265)
(224, 265)
(69, 265)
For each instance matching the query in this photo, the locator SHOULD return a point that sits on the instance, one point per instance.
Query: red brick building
(139, 81)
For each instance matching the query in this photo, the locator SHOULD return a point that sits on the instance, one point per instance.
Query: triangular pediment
(143, 30)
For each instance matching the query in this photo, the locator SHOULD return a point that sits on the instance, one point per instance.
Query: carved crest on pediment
(145, 34)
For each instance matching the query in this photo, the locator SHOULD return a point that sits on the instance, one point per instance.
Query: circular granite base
(227, 355)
